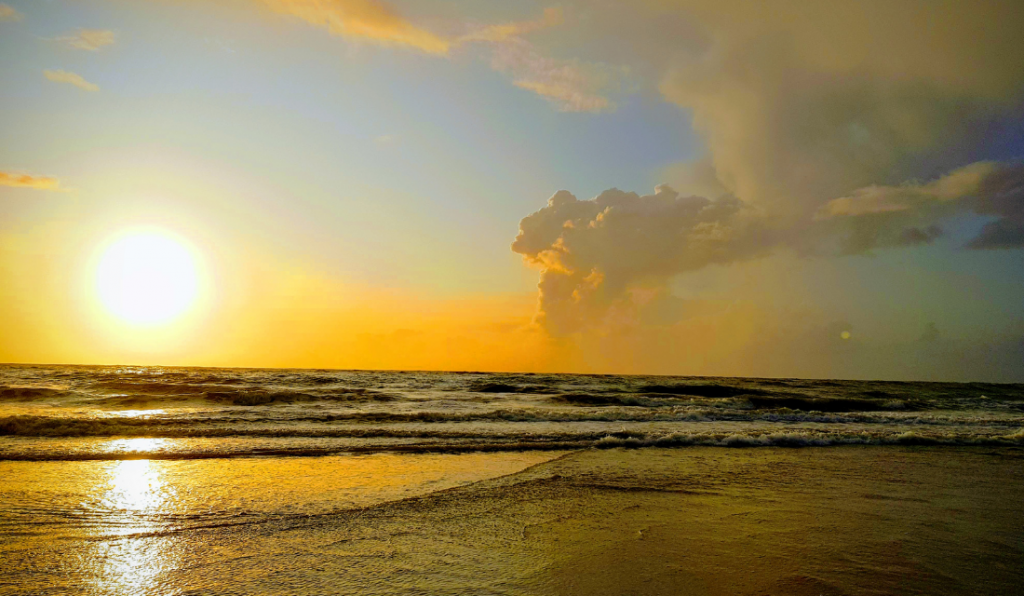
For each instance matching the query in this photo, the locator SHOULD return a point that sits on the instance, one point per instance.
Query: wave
(24, 394)
(151, 387)
(357, 422)
(164, 395)
(758, 401)
(700, 390)
(479, 447)
(508, 388)
(831, 404)
(142, 387)
(245, 397)
(611, 399)
(814, 439)
(135, 395)
(791, 439)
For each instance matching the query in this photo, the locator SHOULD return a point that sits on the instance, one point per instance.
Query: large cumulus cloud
(592, 253)
(832, 127)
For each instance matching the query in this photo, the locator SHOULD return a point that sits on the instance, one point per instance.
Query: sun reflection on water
(136, 485)
(136, 496)
(135, 445)
(137, 413)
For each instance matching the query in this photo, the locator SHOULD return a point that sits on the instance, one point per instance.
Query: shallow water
(703, 520)
(127, 526)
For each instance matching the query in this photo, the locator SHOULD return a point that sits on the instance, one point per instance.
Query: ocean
(91, 413)
(161, 480)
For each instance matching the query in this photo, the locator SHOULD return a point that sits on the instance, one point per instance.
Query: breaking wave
(321, 425)
(58, 411)
(814, 439)
(468, 443)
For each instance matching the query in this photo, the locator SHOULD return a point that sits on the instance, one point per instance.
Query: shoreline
(700, 520)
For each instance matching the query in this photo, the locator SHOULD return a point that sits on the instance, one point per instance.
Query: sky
(784, 189)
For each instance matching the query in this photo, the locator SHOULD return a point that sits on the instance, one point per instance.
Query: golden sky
(782, 188)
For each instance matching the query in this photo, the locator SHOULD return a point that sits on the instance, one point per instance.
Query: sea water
(139, 480)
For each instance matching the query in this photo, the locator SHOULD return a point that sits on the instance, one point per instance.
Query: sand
(838, 520)
(715, 521)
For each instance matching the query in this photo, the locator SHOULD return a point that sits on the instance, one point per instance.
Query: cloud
(801, 103)
(88, 39)
(363, 20)
(506, 31)
(567, 94)
(883, 213)
(609, 261)
(820, 121)
(63, 76)
(7, 13)
(909, 195)
(28, 181)
(571, 85)
(698, 177)
(600, 258)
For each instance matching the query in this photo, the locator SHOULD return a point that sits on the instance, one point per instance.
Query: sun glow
(147, 277)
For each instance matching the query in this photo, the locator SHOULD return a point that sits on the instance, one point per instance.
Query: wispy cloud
(909, 213)
(7, 13)
(876, 199)
(63, 76)
(29, 181)
(505, 31)
(570, 93)
(571, 85)
(363, 19)
(90, 40)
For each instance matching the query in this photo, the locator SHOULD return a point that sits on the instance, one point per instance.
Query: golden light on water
(138, 489)
(136, 485)
(135, 445)
(147, 277)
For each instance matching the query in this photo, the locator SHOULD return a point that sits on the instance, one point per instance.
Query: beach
(700, 520)
(174, 481)
(451, 298)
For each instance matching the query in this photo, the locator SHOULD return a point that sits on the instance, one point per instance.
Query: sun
(147, 277)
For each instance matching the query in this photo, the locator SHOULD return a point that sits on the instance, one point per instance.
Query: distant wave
(28, 394)
(125, 395)
(242, 397)
(134, 395)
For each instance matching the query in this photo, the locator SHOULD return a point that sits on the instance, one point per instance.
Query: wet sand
(711, 521)
(840, 520)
